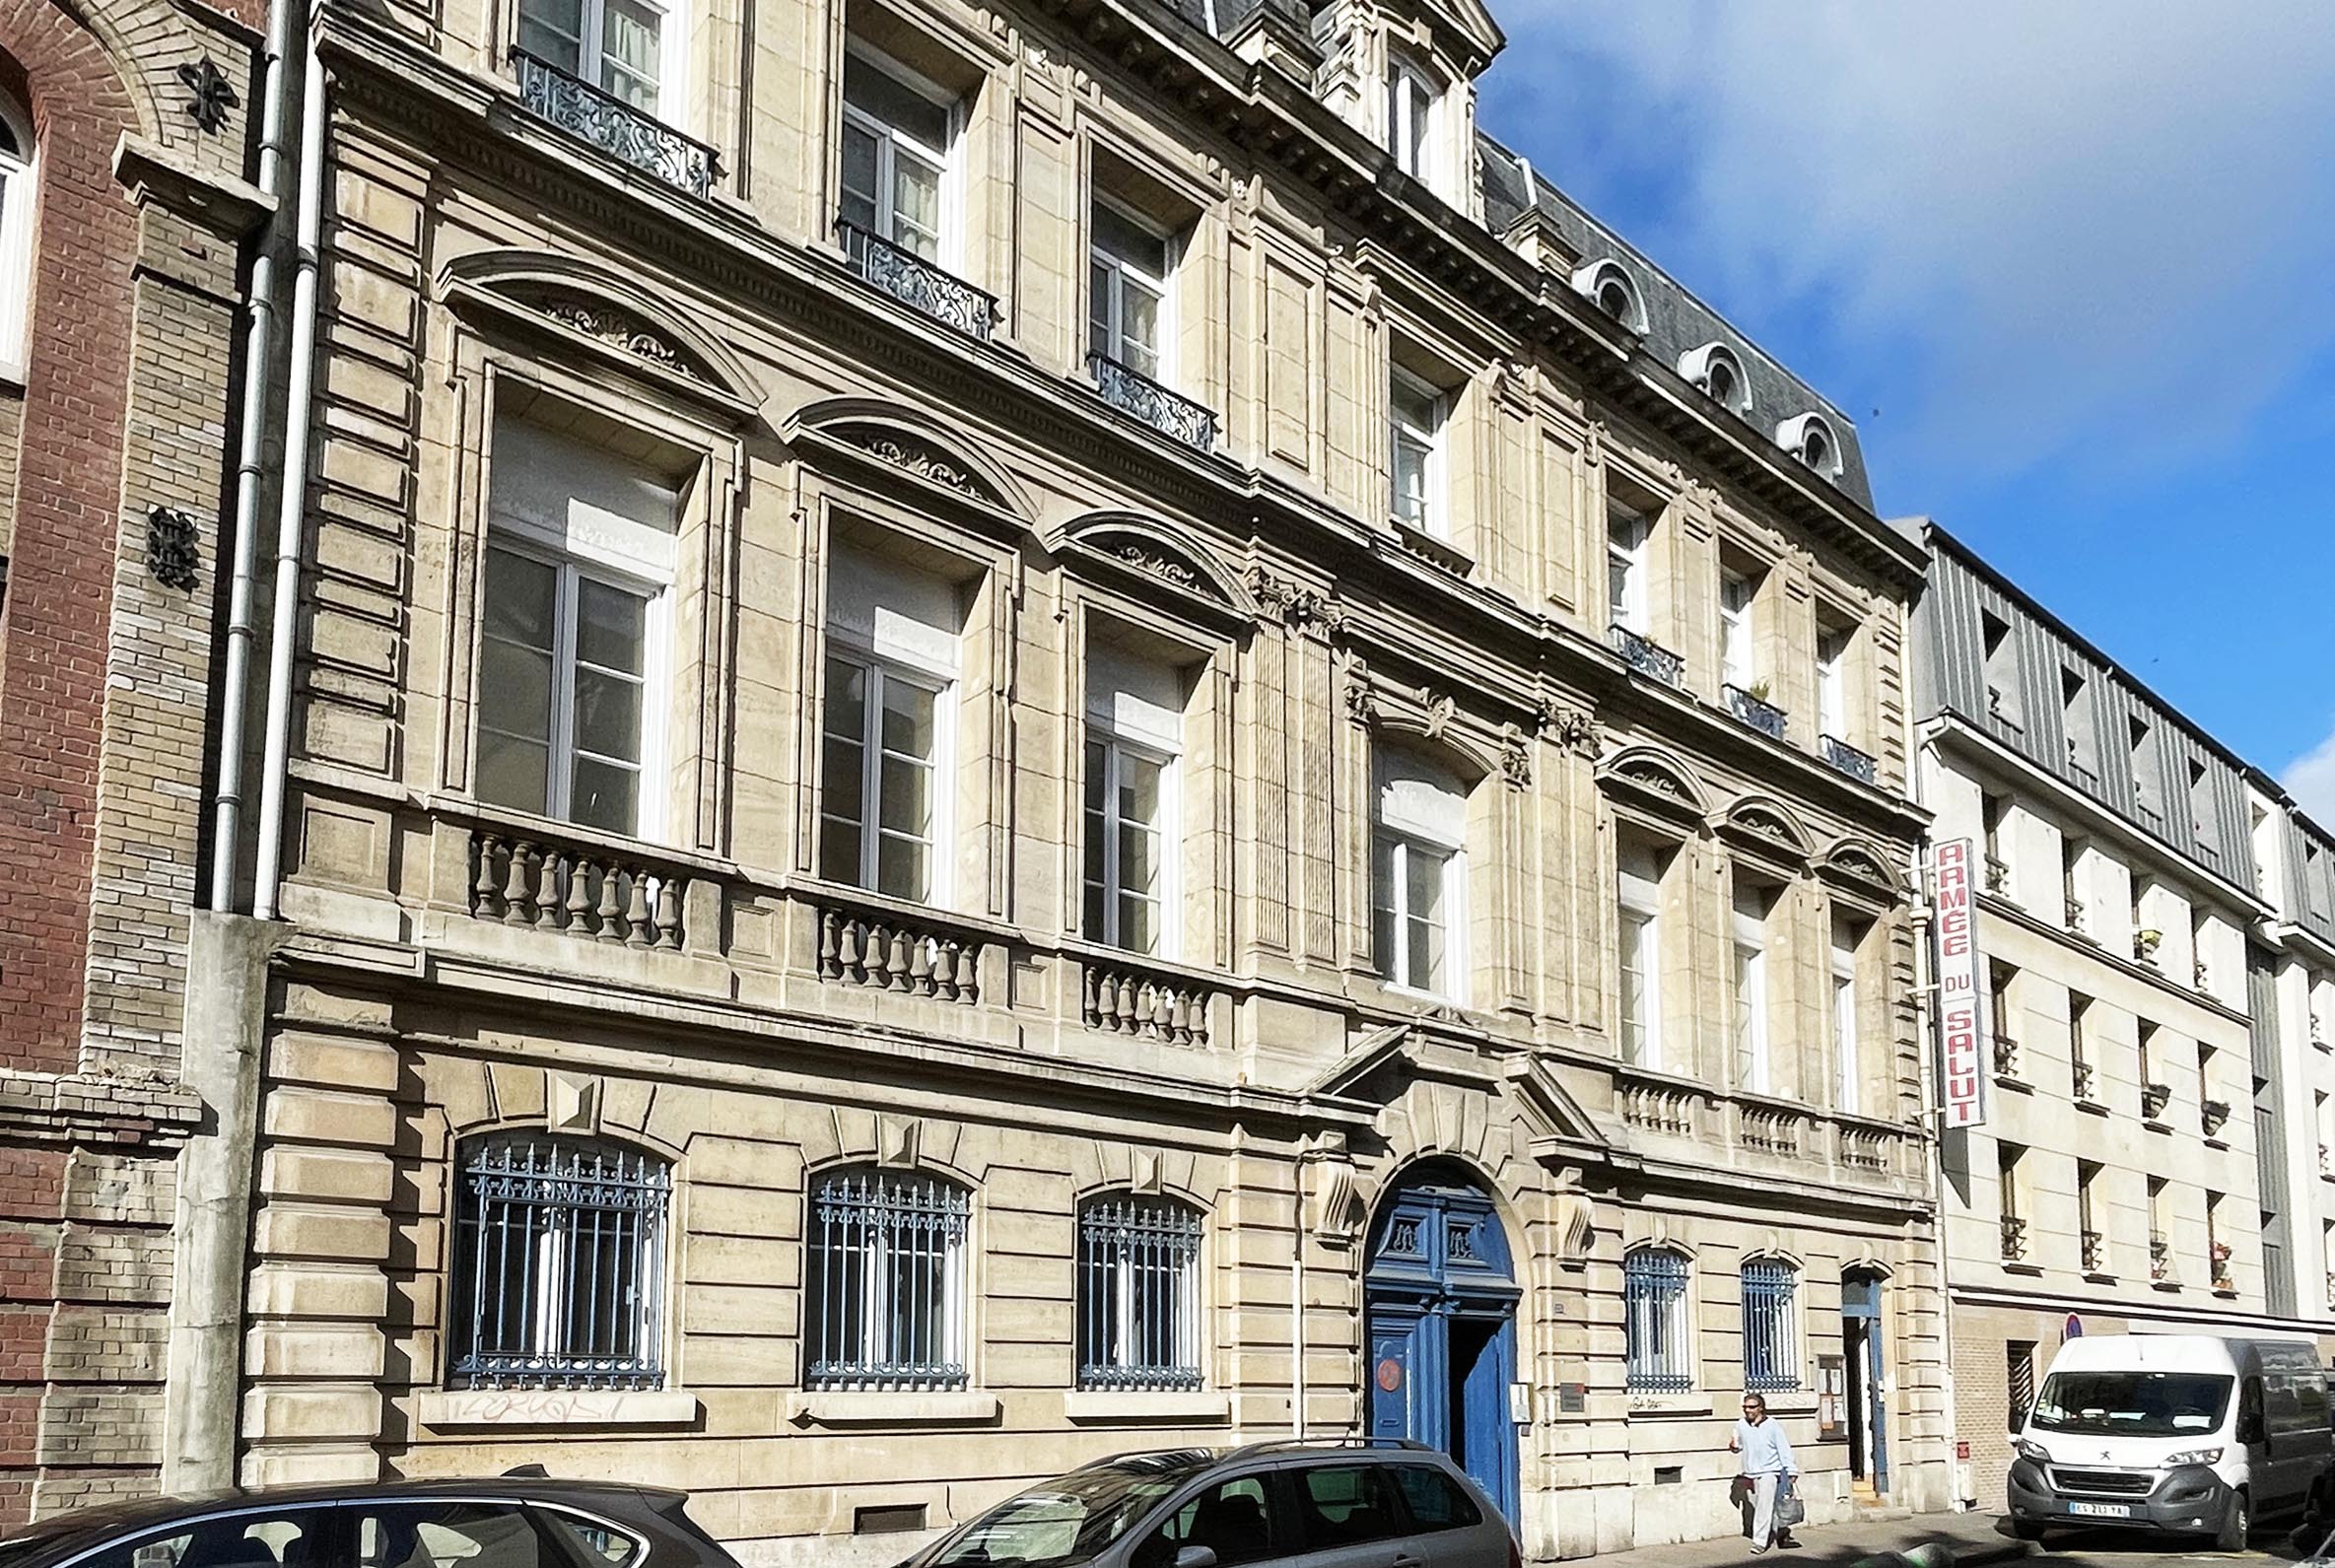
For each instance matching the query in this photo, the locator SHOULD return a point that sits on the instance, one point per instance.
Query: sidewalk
(1972, 1537)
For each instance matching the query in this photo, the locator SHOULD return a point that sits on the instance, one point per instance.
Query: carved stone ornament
(1656, 779)
(1333, 1210)
(1516, 759)
(1440, 707)
(1293, 604)
(619, 330)
(1765, 826)
(1361, 705)
(1576, 1219)
(1571, 727)
(172, 554)
(917, 459)
(1164, 566)
(211, 93)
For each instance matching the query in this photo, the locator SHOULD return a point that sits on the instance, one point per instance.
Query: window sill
(2098, 1277)
(2091, 1107)
(2030, 1270)
(2004, 1080)
(458, 1409)
(1109, 1405)
(2213, 1143)
(1433, 547)
(884, 1408)
(2171, 1286)
(2157, 1127)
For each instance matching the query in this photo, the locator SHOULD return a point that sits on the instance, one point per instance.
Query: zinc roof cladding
(1676, 322)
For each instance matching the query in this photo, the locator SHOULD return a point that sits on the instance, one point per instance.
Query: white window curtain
(616, 45)
(575, 603)
(1127, 287)
(885, 779)
(1627, 535)
(1410, 116)
(1832, 685)
(1414, 435)
(1848, 1078)
(1134, 731)
(897, 131)
(1752, 905)
(1418, 876)
(1734, 630)
(1640, 1000)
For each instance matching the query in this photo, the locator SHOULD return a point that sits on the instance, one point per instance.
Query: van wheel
(2232, 1534)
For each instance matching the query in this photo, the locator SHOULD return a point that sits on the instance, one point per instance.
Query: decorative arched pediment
(1862, 868)
(1658, 1237)
(1656, 779)
(1158, 550)
(586, 305)
(913, 441)
(1765, 826)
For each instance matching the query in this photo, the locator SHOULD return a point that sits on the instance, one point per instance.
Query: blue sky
(2071, 266)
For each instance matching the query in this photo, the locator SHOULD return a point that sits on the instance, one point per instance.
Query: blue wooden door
(1441, 1298)
(1861, 1335)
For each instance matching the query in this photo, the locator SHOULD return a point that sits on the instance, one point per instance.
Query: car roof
(138, 1513)
(1185, 1462)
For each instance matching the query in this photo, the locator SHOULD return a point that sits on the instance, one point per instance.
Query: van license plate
(2101, 1510)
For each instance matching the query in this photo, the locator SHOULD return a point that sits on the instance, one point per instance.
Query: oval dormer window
(1816, 448)
(1810, 439)
(1609, 288)
(1721, 381)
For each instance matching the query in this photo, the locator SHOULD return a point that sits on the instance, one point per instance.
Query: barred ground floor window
(1771, 1324)
(886, 1277)
(558, 1264)
(1138, 1294)
(1655, 1322)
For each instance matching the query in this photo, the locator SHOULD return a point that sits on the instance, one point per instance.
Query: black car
(508, 1522)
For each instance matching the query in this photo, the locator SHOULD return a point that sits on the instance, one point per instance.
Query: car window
(600, 1543)
(271, 1538)
(1233, 1519)
(445, 1536)
(1344, 1504)
(1435, 1500)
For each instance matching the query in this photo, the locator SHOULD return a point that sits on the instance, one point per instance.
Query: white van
(2173, 1433)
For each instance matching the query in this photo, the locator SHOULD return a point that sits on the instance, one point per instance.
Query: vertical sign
(1962, 1028)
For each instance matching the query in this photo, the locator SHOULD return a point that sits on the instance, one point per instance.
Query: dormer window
(1410, 115)
(1715, 369)
(1808, 438)
(1604, 285)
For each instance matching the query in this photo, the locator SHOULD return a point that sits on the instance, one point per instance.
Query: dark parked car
(509, 1522)
(1365, 1505)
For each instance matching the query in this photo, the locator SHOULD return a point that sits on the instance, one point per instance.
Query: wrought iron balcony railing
(614, 127)
(1845, 758)
(1131, 391)
(911, 280)
(1755, 711)
(2160, 1255)
(2095, 1252)
(1647, 657)
(2013, 1239)
(2006, 1057)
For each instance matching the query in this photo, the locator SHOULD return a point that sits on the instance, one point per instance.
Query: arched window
(1418, 876)
(1138, 1293)
(1810, 439)
(1816, 448)
(886, 1281)
(1771, 1324)
(1655, 1322)
(558, 1266)
(1608, 288)
(16, 198)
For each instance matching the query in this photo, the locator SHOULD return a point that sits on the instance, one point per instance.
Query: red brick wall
(60, 570)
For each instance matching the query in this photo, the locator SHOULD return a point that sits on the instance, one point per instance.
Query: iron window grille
(1771, 1326)
(1138, 1294)
(887, 1281)
(560, 1264)
(1654, 1318)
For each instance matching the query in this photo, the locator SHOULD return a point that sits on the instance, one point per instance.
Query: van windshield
(2132, 1404)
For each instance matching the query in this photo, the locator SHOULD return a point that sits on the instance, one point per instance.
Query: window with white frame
(559, 1264)
(616, 45)
(1134, 724)
(1833, 682)
(1418, 869)
(884, 784)
(1126, 309)
(1847, 1073)
(1628, 531)
(574, 610)
(1735, 629)
(885, 1281)
(18, 188)
(1416, 413)
(1638, 1013)
(1138, 1293)
(1771, 1324)
(897, 130)
(1411, 117)
(1657, 1333)
(1752, 904)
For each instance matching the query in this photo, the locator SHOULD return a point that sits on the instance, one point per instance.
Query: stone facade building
(1022, 730)
(2134, 1166)
(125, 221)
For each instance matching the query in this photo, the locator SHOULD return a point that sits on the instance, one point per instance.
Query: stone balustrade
(1658, 1107)
(883, 949)
(1768, 1131)
(1130, 997)
(534, 879)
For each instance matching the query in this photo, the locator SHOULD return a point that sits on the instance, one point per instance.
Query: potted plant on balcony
(2160, 1256)
(2221, 1256)
(2155, 1097)
(2144, 944)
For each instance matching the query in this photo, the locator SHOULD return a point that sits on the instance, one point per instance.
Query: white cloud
(2096, 231)
(2311, 780)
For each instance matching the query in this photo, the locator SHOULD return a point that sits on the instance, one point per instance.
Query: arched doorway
(1440, 1296)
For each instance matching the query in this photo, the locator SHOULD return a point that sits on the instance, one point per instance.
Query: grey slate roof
(1676, 322)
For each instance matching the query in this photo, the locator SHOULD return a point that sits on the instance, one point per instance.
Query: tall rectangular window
(1655, 1322)
(2147, 780)
(1771, 1326)
(1127, 287)
(884, 772)
(1638, 1013)
(1847, 1067)
(1138, 1293)
(616, 45)
(1628, 532)
(1133, 734)
(1411, 114)
(1833, 715)
(1752, 905)
(884, 1286)
(1416, 414)
(576, 578)
(2002, 668)
(2074, 695)
(2089, 1235)
(2082, 1082)
(1418, 876)
(896, 135)
(1735, 629)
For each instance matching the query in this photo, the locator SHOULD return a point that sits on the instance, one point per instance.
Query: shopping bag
(1790, 1511)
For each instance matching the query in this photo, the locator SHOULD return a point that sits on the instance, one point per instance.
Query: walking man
(1763, 1465)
